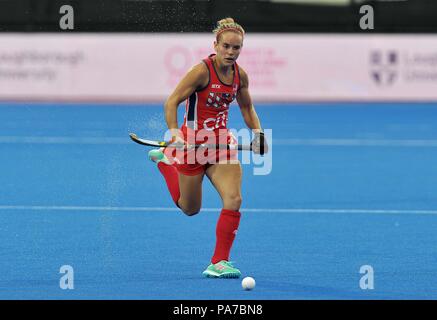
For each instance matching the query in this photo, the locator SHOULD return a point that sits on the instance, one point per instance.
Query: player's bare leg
(226, 179)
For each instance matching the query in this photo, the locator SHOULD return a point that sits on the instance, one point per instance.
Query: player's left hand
(259, 144)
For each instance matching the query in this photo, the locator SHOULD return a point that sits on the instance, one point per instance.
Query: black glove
(259, 144)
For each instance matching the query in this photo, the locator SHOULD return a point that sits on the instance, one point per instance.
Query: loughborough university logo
(384, 67)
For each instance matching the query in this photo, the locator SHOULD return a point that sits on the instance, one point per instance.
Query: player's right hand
(177, 139)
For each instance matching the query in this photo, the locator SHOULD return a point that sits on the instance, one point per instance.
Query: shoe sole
(228, 275)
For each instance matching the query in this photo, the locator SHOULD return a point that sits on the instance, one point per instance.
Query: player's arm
(196, 78)
(249, 114)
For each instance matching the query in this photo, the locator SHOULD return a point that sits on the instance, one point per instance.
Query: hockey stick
(163, 144)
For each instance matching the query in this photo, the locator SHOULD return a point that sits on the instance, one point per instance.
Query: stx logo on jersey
(219, 100)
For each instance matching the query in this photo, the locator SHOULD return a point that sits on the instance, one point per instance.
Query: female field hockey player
(209, 88)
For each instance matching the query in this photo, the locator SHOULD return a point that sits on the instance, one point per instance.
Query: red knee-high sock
(226, 230)
(171, 177)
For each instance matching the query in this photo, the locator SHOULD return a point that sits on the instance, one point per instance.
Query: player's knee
(191, 211)
(233, 202)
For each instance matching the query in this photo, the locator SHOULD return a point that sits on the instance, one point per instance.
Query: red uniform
(205, 121)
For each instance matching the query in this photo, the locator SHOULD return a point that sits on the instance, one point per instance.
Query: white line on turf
(258, 210)
(278, 142)
(358, 142)
(63, 140)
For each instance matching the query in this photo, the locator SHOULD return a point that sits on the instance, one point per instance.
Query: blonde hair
(227, 24)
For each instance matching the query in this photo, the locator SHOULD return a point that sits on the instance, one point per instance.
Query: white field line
(276, 142)
(251, 210)
(63, 140)
(357, 142)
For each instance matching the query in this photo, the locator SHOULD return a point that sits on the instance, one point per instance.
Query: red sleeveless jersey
(208, 107)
